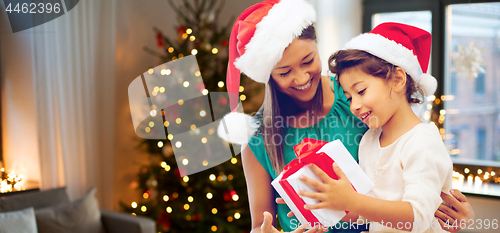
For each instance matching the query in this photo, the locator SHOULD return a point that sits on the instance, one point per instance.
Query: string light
(153, 113)
(162, 89)
(166, 123)
(203, 140)
(215, 50)
(147, 129)
(166, 72)
(242, 88)
(150, 71)
(134, 205)
(189, 31)
(212, 177)
(235, 197)
(230, 177)
(165, 198)
(205, 163)
(144, 208)
(192, 38)
(185, 178)
(151, 124)
(243, 97)
(237, 215)
(193, 127)
(214, 210)
(186, 84)
(203, 113)
(160, 144)
(186, 206)
(169, 209)
(221, 84)
(214, 228)
(167, 168)
(190, 199)
(479, 171)
(209, 195)
(184, 35)
(145, 195)
(133, 214)
(171, 49)
(181, 55)
(194, 52)
(197, 73)
(181, 101)
(185, 162)
(204, 92)
(163, 164)
(466, 170)
(229, 219)
(234, 160)
(170, 137)
(178, 144)
(178, 120)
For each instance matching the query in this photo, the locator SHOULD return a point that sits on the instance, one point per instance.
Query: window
(464, 59)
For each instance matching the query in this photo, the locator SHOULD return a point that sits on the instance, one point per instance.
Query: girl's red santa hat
(402, 45)
(258, 38)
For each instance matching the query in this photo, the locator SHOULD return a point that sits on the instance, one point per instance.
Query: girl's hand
(267, 226)
(459, 216)
(332, 194)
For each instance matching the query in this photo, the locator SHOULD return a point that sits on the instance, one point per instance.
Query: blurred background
(66, 121)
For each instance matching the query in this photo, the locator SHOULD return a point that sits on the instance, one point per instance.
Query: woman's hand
(332, 194)
(456, 218)
(267, 226)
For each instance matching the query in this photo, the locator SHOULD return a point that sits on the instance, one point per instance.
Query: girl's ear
(399, 80)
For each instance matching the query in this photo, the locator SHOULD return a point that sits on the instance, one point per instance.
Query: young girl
(381, 75)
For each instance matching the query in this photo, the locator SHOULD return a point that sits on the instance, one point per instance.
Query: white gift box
(327, 217)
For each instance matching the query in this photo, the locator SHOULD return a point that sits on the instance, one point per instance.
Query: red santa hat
(258, 39)
(402, 45)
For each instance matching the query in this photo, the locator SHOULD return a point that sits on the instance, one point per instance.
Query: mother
(274, 42)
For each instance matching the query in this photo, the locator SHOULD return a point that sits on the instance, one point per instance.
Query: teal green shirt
(339, 123)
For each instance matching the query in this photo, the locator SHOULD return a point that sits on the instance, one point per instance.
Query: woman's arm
(260, 193)
(261, 196)
(456, 218)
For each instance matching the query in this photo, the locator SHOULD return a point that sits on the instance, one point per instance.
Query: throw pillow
(80, 216)
(19, 221)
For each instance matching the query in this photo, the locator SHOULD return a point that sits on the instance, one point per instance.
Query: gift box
(323, 154)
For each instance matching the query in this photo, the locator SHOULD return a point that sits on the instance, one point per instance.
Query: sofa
(53, 212)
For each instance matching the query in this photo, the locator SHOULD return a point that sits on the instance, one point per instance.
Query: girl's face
(298, 73)
(369, 97)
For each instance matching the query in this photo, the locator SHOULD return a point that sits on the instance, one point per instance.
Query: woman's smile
(305, 87)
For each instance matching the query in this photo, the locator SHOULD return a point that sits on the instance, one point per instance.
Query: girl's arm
(339, 195)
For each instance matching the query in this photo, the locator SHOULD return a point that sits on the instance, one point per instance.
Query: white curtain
(74, 63)
(337, 21)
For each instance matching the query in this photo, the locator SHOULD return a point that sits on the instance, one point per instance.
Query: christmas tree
(215, 199)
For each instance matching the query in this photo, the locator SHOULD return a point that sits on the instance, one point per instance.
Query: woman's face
(298, 73)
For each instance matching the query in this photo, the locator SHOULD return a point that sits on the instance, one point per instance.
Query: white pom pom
(237, 128)
(428, 84)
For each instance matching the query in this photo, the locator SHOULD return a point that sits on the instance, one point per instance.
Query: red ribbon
(306, 154)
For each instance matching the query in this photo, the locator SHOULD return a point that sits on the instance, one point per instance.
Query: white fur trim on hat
(283, 23)
(427, 83)
(395, 54)
(237, 128)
